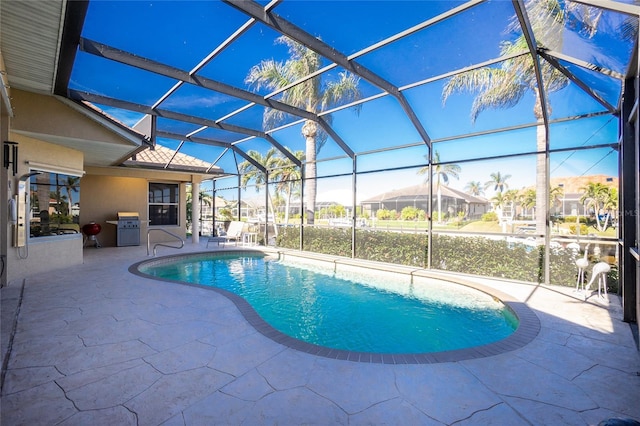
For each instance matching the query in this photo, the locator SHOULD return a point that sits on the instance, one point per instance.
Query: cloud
(192, 102)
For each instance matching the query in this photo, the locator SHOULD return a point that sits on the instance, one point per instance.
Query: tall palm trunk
(439, 193)
(287, 204)
(541, 171)
(43, 195)
(309, 131)
(69, 202)
(271, 211)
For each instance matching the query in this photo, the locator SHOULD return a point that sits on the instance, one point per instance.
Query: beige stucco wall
(104, 194)
(39, 114)
(45, 253)
(103, 190)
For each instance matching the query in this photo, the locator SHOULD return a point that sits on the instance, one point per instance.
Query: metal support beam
(213, 142)
(105, 51)
(277, 23)
(554, 62)
(354, 177)
(584, 64)
(527, 31)
(628, 261)
(74, 16)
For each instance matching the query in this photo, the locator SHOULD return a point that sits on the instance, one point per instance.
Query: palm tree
(312, 95)
(504, 86)
(250, 173)
(474, 188)
(499, 201)
(71, 186)
(60, 203)
(610, 204)
(206, 199)
(511, 197)
(528, 199)
(43, 188)
(602, 199)
(442, 173)
(555, 195)
(498, 181)
(289, 176)
(203, 198)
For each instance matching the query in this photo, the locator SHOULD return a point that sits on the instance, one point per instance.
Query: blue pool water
(355, 313)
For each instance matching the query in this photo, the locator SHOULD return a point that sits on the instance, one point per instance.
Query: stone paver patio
(98, 345)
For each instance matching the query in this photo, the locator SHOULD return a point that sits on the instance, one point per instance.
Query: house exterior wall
(104, 196)
(39, 114)
(5, 228)
(108, 190)
(44, 253)
(103, 190)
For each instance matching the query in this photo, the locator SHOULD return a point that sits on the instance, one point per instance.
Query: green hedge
(392, 247)
(471, 255)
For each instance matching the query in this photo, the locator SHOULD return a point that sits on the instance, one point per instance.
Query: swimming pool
(350, 311)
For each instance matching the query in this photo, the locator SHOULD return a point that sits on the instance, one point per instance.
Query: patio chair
(234, 233)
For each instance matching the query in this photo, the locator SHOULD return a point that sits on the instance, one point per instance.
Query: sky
(181, 34)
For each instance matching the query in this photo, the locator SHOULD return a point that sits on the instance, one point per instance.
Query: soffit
(30, 42)
(31, 34)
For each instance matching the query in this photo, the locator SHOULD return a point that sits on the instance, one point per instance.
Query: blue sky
(180, 34)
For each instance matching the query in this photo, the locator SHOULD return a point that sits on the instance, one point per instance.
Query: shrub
(470, 255)
(584, 230)
(490, 217)
(392, 247)
(572, 219)
(438, 217)
(384, 214)
(409, 213)
(333, 241)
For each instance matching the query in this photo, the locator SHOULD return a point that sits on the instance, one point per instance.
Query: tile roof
(422, 191)
(168, 159)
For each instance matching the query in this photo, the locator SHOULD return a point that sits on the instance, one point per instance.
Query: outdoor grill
(128, 229)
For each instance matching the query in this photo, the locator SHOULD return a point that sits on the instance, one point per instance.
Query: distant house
(453, 201)
(569, 203)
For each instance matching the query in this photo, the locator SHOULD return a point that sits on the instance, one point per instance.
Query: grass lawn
(481, 226)
(476, 226)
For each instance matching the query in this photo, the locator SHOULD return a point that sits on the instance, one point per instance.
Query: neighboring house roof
(421, 192)
(575, 184)
(164, 158)
(220, 202)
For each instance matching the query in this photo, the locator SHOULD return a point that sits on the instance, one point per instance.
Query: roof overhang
(36, 41)
(102, 140)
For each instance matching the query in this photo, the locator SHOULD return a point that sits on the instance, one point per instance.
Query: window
(54, 201)
(163, 203)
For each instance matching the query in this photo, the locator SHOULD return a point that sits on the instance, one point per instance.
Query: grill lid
(128, 216)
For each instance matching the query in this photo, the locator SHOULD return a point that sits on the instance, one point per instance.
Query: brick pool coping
(528, 327)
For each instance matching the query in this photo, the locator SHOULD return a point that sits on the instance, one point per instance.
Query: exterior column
(5, 115)
(6, 194)
(195, 210)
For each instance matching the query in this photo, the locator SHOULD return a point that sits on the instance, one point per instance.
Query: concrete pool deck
(96, 344)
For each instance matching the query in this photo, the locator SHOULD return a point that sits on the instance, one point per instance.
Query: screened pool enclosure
(495, 138)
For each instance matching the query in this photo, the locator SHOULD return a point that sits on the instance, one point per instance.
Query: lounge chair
(234, 233)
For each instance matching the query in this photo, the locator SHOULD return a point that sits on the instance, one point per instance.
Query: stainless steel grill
(128, 229)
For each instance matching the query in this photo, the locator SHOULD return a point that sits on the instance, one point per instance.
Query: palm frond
(345, 89)
(472, 81)
(498, 96)
(272, 118)
(268, 74)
